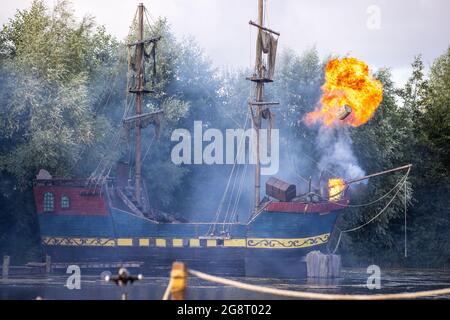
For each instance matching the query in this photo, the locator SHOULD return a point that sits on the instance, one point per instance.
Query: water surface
(353, 281)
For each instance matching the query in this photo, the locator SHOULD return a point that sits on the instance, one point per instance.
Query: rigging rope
(234, 212)
(219, 210)
(146, 13)
(149, 15)
(403, 183)
(406, 207)
(148, 149)
(95, 175)
(236, 179)
(375, 201)
(230, 199)
(241, 148)
(250, 33)
(235, 208)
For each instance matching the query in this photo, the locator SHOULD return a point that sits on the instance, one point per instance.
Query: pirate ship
(108, 218)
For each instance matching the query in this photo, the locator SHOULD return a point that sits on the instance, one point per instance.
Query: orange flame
(335, 189)
(347, 82)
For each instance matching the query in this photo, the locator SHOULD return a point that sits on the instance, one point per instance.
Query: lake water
(353, 281)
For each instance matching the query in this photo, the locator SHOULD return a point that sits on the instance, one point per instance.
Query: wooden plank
(264, 103)
(319, 265)
(259, 79)
(263, 28)
(150, 40)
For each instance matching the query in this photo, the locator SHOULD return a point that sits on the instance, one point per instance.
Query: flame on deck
(348, 84)
(336, 189)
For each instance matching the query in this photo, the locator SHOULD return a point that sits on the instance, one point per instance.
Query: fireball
(336, 189)
(348, 85)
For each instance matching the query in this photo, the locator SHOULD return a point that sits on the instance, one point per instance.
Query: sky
(383, 33)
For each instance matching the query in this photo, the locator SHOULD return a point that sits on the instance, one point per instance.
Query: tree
(436, 122)
(48, 62)
(430, 223)
(47, 105)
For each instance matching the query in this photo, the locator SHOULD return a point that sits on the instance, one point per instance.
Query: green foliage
(431, 223)
(48, 63)
(436, 124)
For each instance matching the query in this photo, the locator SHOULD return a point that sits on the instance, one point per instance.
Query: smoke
(337, 157)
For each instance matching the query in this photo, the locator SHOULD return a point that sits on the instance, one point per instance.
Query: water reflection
(150, 288)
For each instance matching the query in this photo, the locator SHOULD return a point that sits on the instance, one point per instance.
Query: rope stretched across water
(317, 296)
(166, 295)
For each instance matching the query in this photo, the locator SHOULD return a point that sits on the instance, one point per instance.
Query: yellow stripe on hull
(194, 243)
(257, 243)
(125, 242)
(161, 243)
(177, 243)
(211, 243)
(235, 243)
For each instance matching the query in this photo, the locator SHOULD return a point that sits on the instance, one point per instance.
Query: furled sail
(269, 46)
(144, 121)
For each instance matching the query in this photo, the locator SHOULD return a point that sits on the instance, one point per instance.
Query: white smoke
(335, 146)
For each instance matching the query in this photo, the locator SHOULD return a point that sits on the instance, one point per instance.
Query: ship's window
(65, 202)
(49, 202)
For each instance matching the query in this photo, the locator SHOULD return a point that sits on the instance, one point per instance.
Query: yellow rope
(166, 295)
(318, 296)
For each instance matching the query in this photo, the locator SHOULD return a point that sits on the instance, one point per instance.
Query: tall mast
(259, 108)
(259, 99)
(139, 98)
(140, 120)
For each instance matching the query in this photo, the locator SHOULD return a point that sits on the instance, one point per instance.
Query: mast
(139, 93)
(258, 107)
(259, 98)
(141, 120)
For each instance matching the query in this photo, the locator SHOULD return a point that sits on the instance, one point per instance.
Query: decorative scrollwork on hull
(288, 243)
(66, 241)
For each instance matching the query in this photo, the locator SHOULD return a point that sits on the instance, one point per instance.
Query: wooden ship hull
(97, 227)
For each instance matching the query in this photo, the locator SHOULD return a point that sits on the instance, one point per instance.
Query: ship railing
(224, 237)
